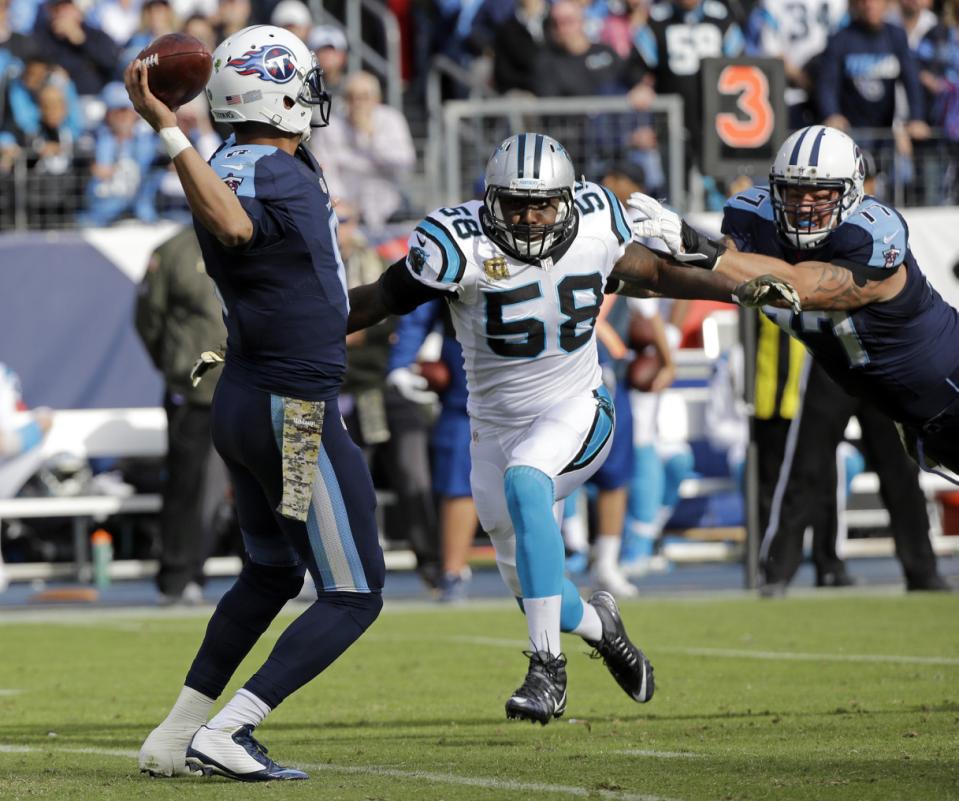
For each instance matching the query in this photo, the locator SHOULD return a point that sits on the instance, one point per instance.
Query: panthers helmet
(815, 157)
(266, 74)
(529, 166)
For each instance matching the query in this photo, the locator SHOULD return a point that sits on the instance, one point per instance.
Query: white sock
(590, 627)
(243, 708)
(542, 618)
(575, 533)
(648, 531)
(190, 710)
(606, 552)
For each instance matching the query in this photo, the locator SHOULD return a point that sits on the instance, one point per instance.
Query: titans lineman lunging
(524, 272)
(869, 316)
(304, 497)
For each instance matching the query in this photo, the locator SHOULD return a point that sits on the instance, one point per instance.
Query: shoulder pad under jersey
(600, 212)
(236, 165)
(875, 235)
(439, 244)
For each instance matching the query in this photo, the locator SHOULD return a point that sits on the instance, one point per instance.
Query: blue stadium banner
(744, 115)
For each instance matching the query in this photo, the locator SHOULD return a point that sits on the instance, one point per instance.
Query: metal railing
(472, 129)
(363, 56)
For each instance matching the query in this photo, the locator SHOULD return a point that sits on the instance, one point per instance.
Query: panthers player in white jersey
(524, 272)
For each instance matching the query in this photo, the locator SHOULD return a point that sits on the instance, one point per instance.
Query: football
(178, 68)
(644, 369)
(437, 375)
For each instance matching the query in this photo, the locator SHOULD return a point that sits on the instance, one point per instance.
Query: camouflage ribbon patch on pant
(302, 433)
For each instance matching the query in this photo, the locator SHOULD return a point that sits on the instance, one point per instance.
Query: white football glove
(686, 245)
(765, 291)
(411, 385)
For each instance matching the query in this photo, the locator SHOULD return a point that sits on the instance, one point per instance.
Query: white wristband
(174, 140)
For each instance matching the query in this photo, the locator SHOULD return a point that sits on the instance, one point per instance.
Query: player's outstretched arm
(367, 307)
(396, 292)
(211, 201)
(820, 285)
(644, 271)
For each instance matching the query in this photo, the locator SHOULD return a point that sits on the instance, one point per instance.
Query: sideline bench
(90, 434)
(141, 432)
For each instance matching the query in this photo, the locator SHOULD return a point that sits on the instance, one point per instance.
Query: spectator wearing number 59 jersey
(680, 34)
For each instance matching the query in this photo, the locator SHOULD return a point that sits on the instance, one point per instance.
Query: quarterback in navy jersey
(868, 314)
(304, 497)
(524, 272)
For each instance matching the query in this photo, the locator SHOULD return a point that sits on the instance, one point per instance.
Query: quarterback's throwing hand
(686, 245)
(767, 290)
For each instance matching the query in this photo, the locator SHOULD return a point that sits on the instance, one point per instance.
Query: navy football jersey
(902, 353)
(284, 293)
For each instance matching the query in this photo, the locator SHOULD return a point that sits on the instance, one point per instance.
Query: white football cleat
(235, 754)
(612, 580)
(163, 753)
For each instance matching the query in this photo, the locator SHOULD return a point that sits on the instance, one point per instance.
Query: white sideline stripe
(733, 653)
(5, 691)
(643, 752)
(793, 656)
(429, 776)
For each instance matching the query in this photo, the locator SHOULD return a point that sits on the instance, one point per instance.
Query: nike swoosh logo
(887, 239)
(421, 240)
(233, 166)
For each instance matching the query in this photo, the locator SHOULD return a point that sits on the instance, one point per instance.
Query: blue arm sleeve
(30, 436)
(411, 330)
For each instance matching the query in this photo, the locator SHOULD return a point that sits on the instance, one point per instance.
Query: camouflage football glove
(208, 360)
(766, 291)
(686, 245)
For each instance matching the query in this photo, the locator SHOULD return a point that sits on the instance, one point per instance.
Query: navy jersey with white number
(284, 293)
(902, 354)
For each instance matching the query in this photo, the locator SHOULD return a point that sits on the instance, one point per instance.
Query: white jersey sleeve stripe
(454, 261)
(620, 224)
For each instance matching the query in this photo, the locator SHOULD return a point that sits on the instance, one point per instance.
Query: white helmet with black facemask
(813, 159)
(268, 75)
(526, 169)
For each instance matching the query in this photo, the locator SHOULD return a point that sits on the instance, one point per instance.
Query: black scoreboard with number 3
(744, 115)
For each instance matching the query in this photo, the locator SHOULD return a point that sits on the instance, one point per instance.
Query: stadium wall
(67, 300)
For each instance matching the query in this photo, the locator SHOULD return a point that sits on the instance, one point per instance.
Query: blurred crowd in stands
(72, 150)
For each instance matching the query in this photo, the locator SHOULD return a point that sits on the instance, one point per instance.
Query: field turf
(836, 696)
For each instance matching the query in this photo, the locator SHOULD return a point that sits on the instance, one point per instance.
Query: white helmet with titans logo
(812, 159)
(267, 74)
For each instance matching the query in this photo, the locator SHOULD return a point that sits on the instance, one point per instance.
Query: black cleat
(930, 583)
(543, 694)
(627, 664)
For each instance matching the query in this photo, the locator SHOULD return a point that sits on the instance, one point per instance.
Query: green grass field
(827, 697)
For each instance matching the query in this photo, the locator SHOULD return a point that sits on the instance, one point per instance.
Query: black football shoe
(627, 664)
(543, 694)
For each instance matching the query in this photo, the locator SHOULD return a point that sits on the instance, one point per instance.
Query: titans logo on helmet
(270, 63)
